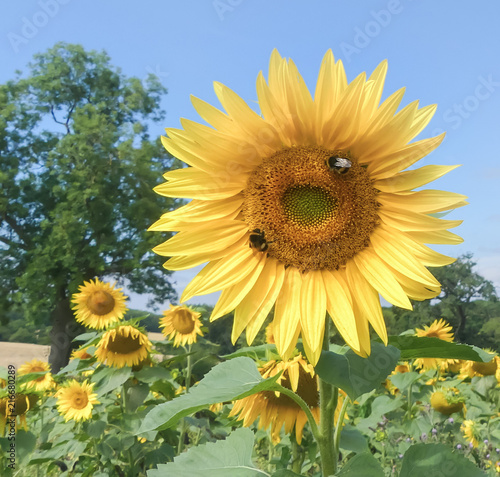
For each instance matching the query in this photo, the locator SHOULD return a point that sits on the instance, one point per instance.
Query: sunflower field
(304, 216)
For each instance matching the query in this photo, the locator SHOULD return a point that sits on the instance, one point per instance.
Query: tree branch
(19, 232)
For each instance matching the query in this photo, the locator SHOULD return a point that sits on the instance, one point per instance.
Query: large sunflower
(305, 207)
(182, 324)
(123, 346)
(98, 304)
(75, 400)
(43, 382)
(276, 409)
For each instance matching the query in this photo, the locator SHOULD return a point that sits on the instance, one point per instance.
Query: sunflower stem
(328, 399)
(338, 427)
(297, 454)
(189, 365)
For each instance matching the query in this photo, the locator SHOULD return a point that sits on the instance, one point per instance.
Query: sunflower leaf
(423, 347)
(362, 465)
(436, 459)
(356, 375)
(228, 381)
(229, 458)
(255, 352)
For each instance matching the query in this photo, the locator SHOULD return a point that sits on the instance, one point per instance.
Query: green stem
(340, 423)
(189, 365)
(297, 454)
(328, 399)
(410, 404)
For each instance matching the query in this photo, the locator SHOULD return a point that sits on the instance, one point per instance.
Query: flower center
(308, 206)
(183, 322)
(312, 215)
(124, 344)
(79, 400)
(100, 303)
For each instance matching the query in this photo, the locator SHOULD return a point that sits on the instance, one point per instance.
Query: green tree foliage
(467, 301)
(77, 171)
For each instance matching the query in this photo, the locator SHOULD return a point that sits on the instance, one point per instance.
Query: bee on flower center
(258, 240)
(340, 165)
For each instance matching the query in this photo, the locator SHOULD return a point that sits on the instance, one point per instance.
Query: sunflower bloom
(437, 329)
(81, 353)
(123, 346)
(307, 207)
(275, 409)
(182, 324)
(75, 400)
(16, 408)
(471, 432)
(42, 383)
(475, 368)
(99, 304)
(446, 404)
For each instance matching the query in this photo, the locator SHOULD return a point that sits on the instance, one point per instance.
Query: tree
(77, 171)
(461, 287)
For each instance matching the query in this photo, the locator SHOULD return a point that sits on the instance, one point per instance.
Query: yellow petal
(233, 295)
(424, 201)
(313, 313)
(339, 306)
(200, 239)
(286, 323)
(381, 278)
(222, 274)
(367, 300)
(262, 311)
(408, 221)
(412, 179)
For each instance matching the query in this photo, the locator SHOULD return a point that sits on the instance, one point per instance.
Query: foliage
(76, 177)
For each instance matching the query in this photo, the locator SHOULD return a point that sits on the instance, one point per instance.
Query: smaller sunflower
(471, 432)
(182, 324)
(42, 383)
(16, 409)
(81, 353)
(447, 403)
(123, 346)
(399, 369)
(470, 369)
(276, 409)
(75, 400)
(438, 329)
(99, 304)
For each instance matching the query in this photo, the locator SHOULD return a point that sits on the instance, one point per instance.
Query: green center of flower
(100, 303)
(308, 206)
(310, 214)
(183, 322)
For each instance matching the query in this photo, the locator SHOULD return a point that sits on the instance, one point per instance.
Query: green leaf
(356, 375)
(436, 459)
(109, 379)
(255, 352)
(227, 381)
(404, 380)
(352, 440)
(229, 458)
(152, 373)
(422, 347)
(136, 395)
(285, 473)
(362, 465)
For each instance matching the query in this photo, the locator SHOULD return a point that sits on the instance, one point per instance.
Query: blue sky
(444, 52)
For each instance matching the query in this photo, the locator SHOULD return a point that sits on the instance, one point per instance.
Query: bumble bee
(258, 240)
(340, 165)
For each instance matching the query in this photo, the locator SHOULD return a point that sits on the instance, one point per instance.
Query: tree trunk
(64, 329)
(460, 333)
